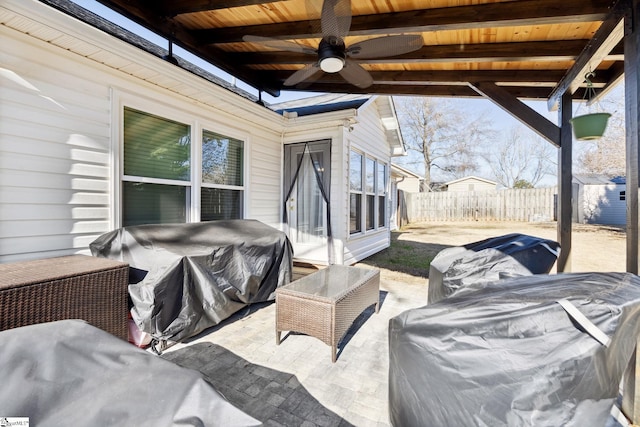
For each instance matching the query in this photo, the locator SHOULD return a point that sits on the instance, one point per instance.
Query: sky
(500, 119)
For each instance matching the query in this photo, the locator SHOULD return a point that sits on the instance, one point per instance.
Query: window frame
(358, 193)
(241, 188)
(179, 112)
(382, 192)
(370, 193)
(379, 190)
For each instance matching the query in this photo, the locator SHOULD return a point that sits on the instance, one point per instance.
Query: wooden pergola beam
(523, 78)
(632, 107)
(603, 42)
(566, 50)
(512, 105)
(565, 184)
(435, 90)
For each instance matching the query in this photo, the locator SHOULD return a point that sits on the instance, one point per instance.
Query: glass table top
(331, 281)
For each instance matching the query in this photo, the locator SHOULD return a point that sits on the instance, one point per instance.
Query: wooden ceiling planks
(530, 38)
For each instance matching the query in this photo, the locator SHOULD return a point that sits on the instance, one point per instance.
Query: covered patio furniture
(69, 373)
(544, 350)
(188, 277)
(490, 259)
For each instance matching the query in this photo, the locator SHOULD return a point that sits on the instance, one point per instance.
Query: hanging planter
(589, 126)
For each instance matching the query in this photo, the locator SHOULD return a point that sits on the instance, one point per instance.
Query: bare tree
(444, 137)
(517, 159)
(606, 155)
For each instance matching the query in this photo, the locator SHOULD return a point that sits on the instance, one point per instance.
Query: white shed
(84, 146)
(471, 183)
(599, 199)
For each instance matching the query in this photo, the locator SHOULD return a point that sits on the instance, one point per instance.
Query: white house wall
(602, 205)
(367, 136)
(327, 130)
(57, 165)
(409, 184)
(464, 185)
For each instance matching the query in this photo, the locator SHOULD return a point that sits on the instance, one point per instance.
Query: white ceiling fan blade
(302, 74)
(279, 44)
(385, 46)
(356, 75)
(336, 18)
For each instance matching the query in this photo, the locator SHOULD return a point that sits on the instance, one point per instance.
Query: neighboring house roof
(455, 181)
(597, 179)
(400, 171)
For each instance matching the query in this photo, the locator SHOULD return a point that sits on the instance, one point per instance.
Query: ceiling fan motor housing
(331, 54)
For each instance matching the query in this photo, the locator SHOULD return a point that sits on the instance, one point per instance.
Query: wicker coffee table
(324, 304)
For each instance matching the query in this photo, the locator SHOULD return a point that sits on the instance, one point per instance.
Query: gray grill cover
(503, 256)
(69, 373)
(506, 353)
(196, 275)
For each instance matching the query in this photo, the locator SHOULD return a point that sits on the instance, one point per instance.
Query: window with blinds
(157, 183)
(157, 169)
(222, 177)
(155, 147)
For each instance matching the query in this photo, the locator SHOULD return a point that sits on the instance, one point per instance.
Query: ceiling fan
(332, 53)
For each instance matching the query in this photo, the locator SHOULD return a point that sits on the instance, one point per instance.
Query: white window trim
(176, 110)
(363, 200)
(360, 193)
(369, 158)
(384, 193)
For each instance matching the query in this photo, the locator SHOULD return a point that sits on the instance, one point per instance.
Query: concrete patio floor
(295, 383)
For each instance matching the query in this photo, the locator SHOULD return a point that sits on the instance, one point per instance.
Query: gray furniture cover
(490, 259)
(188, 277)
(507, 353)
(69, 373)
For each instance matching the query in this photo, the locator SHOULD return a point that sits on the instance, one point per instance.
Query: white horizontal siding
(265, 171)
(471, 184)
(54, 153)
(602, 204)
(368, 136)
(361, 247)
(57, 154)
(56, 159)
(37, 228)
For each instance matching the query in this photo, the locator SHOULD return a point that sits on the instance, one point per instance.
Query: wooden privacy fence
(536, 204)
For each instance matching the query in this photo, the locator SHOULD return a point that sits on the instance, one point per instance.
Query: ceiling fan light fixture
(332, 64)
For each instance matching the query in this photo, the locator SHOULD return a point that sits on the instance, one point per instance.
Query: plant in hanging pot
(591, 125)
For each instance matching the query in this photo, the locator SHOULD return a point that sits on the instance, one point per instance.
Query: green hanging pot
(590, 126)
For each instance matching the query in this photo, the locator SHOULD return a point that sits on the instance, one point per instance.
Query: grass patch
(405, 256)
